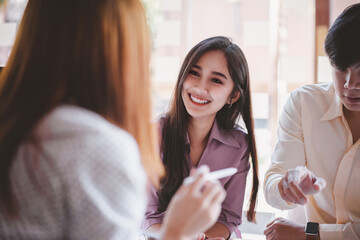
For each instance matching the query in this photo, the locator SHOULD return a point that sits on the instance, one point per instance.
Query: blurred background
(282, 41)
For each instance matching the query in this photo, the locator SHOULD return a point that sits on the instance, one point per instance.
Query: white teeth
(200, 101)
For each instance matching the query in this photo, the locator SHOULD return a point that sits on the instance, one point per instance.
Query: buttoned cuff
(229, 221)
(348, 231)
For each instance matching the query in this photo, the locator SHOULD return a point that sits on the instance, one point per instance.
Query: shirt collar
(336, 108)
(220, 135)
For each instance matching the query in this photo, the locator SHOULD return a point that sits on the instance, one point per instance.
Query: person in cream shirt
(315, 166)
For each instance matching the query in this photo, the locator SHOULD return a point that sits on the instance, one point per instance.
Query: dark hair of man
(173, 145)
(342, 43)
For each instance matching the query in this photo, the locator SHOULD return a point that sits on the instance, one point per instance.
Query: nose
(352, 80)
(201, 86)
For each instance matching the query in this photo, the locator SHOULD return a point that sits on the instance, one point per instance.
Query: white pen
(213, 175)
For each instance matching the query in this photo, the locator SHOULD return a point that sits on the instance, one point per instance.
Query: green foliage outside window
(152, 14)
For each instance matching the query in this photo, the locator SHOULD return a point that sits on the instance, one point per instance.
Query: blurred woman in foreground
(74, 124)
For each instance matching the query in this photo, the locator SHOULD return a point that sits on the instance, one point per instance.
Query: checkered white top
(83, 180)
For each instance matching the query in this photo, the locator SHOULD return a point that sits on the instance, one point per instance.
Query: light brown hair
(90, 53)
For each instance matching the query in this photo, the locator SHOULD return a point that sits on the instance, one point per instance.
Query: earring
(228, 105)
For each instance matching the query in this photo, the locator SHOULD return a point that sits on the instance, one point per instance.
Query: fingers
(192, 171)
(310, 184)
(214, 193)
(219, 197)
(275, 228)
(269, 231)
(271, 235)
(297, 195)
(290, 190)
(270, 223)
(200, 181)
(282, 228)
(299, 182)
(292, 187)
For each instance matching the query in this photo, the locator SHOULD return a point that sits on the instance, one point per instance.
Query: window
(277, 37)
(268, 33)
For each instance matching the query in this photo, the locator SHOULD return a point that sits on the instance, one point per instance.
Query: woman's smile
(198, 100)
(207, 86)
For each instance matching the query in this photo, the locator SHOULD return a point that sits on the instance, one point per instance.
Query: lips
(352, 99)
(198, 100)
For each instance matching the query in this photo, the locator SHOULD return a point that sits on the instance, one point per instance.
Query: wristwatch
(312, 230)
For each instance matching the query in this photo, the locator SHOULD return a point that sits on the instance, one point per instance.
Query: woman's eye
(192, 72)
(215, 80)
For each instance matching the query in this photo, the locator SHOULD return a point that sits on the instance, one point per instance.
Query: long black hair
(174, 125)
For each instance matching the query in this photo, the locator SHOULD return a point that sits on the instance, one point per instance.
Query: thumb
(308, 186)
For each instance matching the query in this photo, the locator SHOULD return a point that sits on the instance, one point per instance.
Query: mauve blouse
(225, 148)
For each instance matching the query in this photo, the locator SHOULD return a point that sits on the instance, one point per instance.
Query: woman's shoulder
(240, 134)
(236, 136)
(83, 132)
(89, 156)
(68, 120)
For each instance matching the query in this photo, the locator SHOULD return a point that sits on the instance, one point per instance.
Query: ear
(234, 97)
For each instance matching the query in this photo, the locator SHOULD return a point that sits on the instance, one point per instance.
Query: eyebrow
(215, 73)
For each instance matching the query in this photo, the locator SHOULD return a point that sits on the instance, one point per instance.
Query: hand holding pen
(196, 205)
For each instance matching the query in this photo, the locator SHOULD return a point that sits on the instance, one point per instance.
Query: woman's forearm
(155, 227)
(218, 230)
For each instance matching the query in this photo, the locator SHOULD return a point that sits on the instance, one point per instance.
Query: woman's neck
(198, 130)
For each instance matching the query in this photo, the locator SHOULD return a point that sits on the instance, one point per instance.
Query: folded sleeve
(289, 151)
(152, 214)
(232, 207)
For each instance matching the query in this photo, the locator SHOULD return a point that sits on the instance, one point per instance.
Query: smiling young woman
(211, 94)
